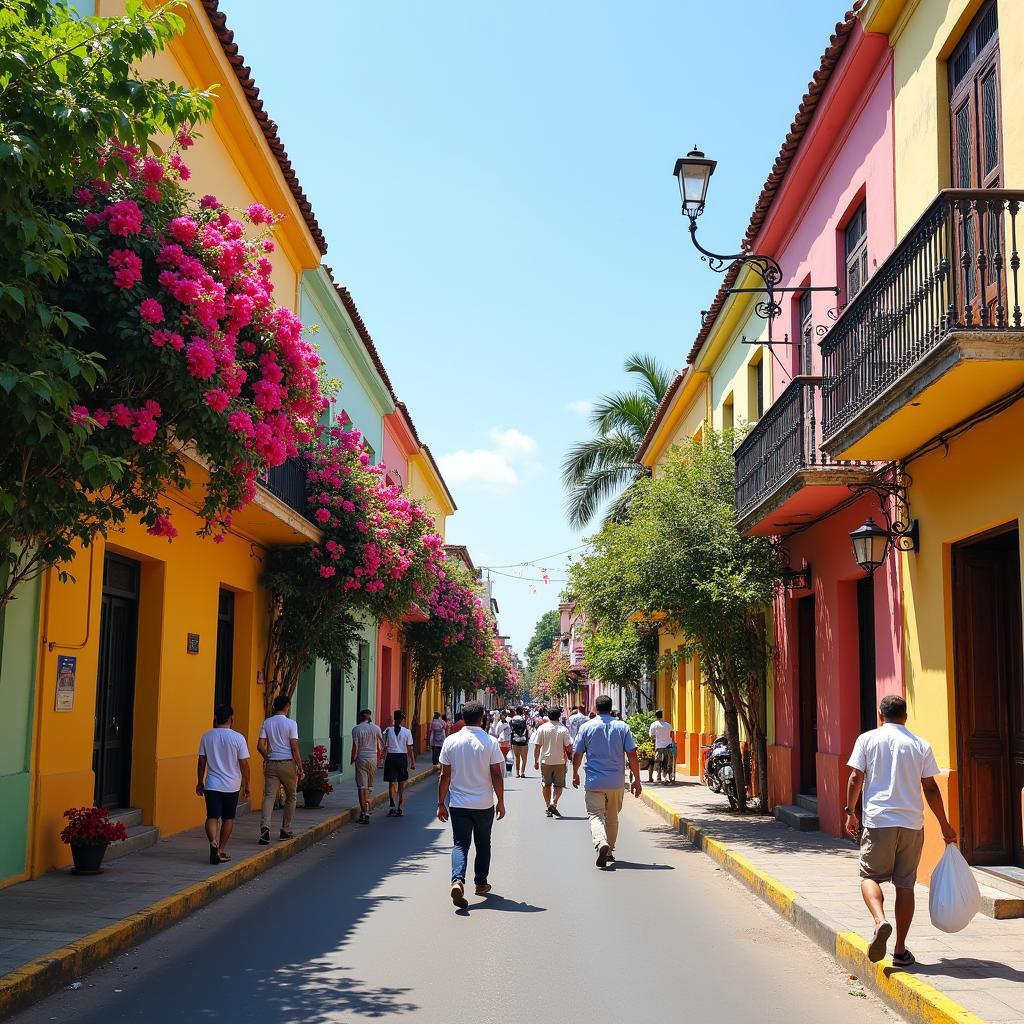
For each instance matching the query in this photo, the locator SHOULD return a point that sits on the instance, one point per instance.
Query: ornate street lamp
(693, 172)
(871, 542)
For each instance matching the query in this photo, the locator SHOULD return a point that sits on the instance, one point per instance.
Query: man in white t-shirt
(552, 749)
(664, 746)
(278, 745)
(575, 720)
(471, 777)
(223, 776)
(894, 769)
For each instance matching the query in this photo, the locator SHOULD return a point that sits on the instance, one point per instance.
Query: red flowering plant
(314, 772)
(191, 355)
(91, 826)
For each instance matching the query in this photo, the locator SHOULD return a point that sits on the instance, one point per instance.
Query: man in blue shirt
(607, 742)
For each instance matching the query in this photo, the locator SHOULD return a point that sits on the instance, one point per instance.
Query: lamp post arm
(765, 267)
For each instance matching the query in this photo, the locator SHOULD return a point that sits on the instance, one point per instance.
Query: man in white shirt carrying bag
(471, 777)
(896, 772)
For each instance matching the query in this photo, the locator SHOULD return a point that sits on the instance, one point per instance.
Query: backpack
(518, 731)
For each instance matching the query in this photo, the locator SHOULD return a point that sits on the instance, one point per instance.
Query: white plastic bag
(954, 897)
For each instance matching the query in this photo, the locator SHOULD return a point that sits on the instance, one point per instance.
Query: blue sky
(494, 181)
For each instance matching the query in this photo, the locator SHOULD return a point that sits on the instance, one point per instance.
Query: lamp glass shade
(693, 173)
(869, 544)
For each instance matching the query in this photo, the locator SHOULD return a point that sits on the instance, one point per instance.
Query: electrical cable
(534, 561)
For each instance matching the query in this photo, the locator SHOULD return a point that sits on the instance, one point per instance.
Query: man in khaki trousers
(278, 745)
(607, 743)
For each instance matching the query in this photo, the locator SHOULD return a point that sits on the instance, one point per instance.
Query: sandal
(878, 942)
(222, 856)
(904, 959)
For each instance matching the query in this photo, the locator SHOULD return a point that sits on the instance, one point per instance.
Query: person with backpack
(520, 741)
(398, 759)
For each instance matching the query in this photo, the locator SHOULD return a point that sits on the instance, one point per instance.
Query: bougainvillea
(552, 680)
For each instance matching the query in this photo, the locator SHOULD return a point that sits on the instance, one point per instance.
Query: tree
(623, 655)
(552, 681)
(679, 553)
(603, 467)
(545, 635)
(68, 89)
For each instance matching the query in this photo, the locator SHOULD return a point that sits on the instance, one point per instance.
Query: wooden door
(334, 726)
(989, 686)
(225, 658)
(115, 682)
(976, 158)
(808, 696)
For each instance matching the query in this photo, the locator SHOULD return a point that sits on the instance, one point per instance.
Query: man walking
(893, 768)
(278, 745)
(551, 751)
(520, 741)
(502, 732)
(471, 777)
(607, 744)
(573, 723)
(437, 732)
(661, 732)
(367, 750)
(223, 776)
(399, 759)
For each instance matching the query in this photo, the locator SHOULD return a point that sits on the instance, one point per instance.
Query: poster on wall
(67, 667)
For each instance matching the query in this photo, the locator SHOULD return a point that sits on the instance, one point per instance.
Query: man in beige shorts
(896, 772)
(367, 749)
(553, 748)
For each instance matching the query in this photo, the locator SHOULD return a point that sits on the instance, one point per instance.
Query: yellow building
(925, 370)
(160, 632)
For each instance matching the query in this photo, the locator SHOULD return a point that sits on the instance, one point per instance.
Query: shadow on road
(495, 902)
(628, 865)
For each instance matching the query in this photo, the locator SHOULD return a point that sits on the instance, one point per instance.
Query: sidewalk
(811, 879)
(55, 928)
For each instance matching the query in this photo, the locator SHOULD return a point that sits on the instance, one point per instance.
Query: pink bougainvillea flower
(124, 218)
(183, 229)
(200, 359)
(217, 399)
(84, 197)
(152, 170)
(151, 311)
(209, 202)
(163, 527)
(78, 414)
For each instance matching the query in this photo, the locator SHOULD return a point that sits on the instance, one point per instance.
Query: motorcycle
(718, 774)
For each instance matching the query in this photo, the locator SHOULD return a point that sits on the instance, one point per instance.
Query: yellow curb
(915, 999)
(50, 972)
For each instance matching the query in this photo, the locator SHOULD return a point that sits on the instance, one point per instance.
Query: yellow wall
(923, 35)
(425, 486)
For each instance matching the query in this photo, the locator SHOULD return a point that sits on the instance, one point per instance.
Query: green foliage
(545, 633)
(621, 654)
(67, 87)
(311, 619)
(640, 725)
(601, 468)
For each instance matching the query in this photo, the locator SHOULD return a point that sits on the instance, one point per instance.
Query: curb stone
(60, 967)
(914, 999)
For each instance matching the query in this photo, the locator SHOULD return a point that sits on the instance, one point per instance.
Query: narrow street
(361, 927)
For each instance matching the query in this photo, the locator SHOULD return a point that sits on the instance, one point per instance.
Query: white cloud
(580, 407)
(496, 468)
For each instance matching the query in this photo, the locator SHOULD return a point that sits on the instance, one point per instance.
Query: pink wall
(392, 456)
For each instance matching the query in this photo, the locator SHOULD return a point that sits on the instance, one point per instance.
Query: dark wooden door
(335, 718)
(976, 158)
(866, 645)
(989, 686)
(808, 696)
(225, 661)
(115, 682)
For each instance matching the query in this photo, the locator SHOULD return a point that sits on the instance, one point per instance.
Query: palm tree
(594, 471)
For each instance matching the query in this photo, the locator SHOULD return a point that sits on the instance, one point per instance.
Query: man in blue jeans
(472, 774)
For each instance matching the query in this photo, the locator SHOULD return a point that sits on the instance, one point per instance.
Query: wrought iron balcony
(288, 482)
(934, 336)
(783, 479)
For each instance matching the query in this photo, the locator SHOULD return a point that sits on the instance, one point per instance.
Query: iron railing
(288, 482)
(951, 272)
(786, 440)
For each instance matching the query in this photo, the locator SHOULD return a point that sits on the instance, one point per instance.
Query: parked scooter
(718, 774)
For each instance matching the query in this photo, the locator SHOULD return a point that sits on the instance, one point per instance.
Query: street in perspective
(511, 511)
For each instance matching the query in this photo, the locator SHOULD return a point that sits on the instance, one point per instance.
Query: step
(797, 817)
(128, 816)
(140, 837)
(1002, 891)
(807, 802)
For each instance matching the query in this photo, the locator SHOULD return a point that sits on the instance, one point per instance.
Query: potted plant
(314, 783)
(89, 832)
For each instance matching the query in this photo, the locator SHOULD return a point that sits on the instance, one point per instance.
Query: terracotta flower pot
(312, 797)
(88, 857)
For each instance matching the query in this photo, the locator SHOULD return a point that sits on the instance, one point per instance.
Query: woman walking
(436, 734)
(502, 732)
(399, 758)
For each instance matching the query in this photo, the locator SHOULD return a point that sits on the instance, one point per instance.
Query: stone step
(1002, 896)
(128, 816)
(797, 817)
(808, 803)
(140, 837)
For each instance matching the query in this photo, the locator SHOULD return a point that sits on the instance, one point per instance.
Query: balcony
(934, 337)
(783, 479)
(288, 482)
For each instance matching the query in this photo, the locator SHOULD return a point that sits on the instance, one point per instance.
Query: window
(806, 312)
(856, 250)
(728, 414)
(755, 388)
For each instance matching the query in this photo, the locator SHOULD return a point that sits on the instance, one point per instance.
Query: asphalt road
(361, 928)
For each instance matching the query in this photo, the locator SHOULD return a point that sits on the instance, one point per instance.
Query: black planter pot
(88, 857)
(312, 797)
